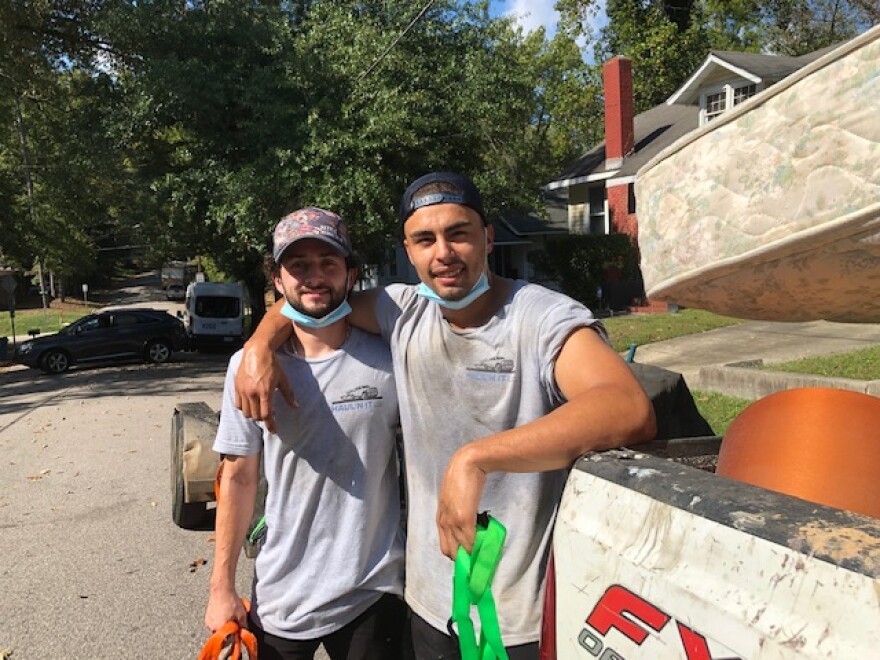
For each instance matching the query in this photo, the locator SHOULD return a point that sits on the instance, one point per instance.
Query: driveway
(91, 565)
(757, 340)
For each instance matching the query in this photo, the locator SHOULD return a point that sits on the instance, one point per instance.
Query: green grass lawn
(50, 320)
(860, 365)
(719, 409)
(642, 329)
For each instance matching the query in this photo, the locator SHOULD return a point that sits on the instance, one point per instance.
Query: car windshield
(217, 307)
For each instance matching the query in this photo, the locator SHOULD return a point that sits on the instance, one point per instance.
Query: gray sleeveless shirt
(455, 387)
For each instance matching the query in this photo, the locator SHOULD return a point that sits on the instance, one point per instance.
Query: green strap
(258, 531)
(472, 582)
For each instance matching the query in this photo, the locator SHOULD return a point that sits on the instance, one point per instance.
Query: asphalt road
(91, 564)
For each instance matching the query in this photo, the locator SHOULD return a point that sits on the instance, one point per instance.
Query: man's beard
(336, 299)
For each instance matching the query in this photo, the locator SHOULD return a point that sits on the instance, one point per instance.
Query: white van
(214, 314)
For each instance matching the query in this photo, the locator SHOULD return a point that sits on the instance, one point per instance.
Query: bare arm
(606, 407)
(363, 310)
(238, 491)
(259, 374)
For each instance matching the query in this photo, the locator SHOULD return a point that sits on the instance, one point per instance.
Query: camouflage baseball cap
(311, 222)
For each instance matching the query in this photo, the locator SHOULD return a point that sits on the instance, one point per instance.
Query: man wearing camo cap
(330, 569)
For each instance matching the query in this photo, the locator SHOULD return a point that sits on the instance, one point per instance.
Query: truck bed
(655, 558)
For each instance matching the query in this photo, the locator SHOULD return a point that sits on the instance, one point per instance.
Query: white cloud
(531, 14)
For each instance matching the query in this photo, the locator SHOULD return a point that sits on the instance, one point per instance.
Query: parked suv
(149, 334)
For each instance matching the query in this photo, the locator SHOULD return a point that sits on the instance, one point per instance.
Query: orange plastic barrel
(815, 443)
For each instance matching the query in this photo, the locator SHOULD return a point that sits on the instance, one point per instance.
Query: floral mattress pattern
(773, 210)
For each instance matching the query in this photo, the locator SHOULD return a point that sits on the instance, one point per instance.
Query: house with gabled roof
(597, 188)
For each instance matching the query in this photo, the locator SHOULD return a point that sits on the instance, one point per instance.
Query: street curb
(745, 380)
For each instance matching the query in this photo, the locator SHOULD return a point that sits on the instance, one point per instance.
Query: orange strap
(227, 641)
(217, 480)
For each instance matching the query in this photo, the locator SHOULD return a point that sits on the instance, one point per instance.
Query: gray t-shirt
(334, 543)
(455, 387)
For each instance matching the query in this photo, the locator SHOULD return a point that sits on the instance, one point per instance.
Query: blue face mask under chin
(478, 290)
(307, 321)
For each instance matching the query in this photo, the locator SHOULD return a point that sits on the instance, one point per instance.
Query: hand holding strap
(472, 582)
(226, 643)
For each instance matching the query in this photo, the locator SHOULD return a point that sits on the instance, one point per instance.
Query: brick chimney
(619, 129)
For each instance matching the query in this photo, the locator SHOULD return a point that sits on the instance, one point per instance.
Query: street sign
(85, 289)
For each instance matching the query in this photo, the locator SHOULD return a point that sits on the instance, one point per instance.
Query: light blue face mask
(307, 321)
(478, 290)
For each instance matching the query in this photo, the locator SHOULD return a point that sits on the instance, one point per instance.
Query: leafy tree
(668, 40)
(798, 27)
(191, 127)
(250, 112)
(54, 164)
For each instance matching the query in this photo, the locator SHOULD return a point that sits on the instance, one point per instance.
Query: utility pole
(42, 284)
(8, 282)
(29, 182)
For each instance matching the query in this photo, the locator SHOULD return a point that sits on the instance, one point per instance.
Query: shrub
(583, 263)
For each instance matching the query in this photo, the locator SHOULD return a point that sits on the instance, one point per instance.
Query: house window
(715, 105)
(718, 101)
(597, 210)
(740, 94)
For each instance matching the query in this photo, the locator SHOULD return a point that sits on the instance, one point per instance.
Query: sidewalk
(756, 340)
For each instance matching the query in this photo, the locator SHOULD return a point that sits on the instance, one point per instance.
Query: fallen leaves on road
(37, 477)
(5, 654)
(198, 562)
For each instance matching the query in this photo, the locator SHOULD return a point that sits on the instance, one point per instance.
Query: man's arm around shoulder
(259, 374)
(235, 507)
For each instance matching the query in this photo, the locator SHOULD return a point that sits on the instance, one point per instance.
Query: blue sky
(533, 13)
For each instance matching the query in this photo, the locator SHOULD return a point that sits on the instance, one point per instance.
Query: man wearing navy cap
(330, 569)
(502, 384)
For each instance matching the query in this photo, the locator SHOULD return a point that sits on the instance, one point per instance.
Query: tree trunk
(256, 288)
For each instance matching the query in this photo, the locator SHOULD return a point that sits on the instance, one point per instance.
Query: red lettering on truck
(633, 616)
(617, 601)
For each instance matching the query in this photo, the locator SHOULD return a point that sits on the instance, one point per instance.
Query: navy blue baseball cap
(465, 193)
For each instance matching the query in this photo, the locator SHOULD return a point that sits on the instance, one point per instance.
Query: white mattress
(773, 210)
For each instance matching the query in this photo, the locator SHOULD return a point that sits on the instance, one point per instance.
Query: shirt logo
(362, 393)
(364, 397)
(498, 364)
(496, 369)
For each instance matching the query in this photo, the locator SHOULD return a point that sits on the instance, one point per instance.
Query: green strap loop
(472, 582)
(258, 531)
